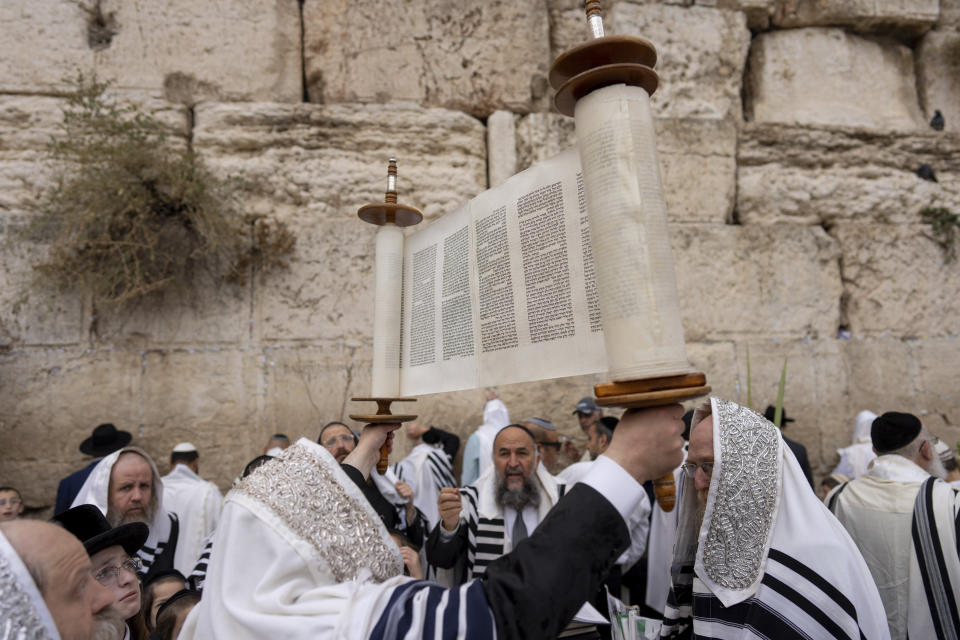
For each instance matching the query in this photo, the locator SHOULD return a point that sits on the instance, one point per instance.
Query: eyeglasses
(343, 439)
(108, 575)
(12, 502)
(690, 468)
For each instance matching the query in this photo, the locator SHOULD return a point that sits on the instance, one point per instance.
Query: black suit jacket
(800, 452)
(70, 486)
(535, 590)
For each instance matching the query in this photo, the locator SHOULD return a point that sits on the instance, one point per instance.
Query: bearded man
(126, 487)
(904, 520)
(757, 555)
(502, 508)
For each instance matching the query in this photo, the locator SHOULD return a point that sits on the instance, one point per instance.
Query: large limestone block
(501, 147)
(949, 15)
(937, 363)
(718, 361)
(906, 17)
(821, 76)
(207, 397)
(882, 376)
(758, 12)
(813, 393)
(897, 283)
(817, 176)
(938, 75)
(697, 160)
(702, 53)
(31, 313)
(472, 55)
(51, 400)
(739, 282)
(190, 51)
(312, 167)
(26, 125)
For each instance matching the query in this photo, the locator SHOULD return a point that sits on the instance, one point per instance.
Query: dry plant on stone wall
(132, 213)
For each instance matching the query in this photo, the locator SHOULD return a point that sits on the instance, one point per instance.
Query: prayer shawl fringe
(933, 613)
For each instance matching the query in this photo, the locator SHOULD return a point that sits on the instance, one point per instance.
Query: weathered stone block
(938, 76)
(758, 12)
(312, 167)
(30, 313)
(949, 15)
(907, 17)
(208, 397)
(718, 360)
(880, 300)
(817, 176)
(820, 76)
(187, 51)
(697, 160)
(464, 55)
(702, 53)
(53, 399)
(738, 282)
(937, 363)
(501, 147)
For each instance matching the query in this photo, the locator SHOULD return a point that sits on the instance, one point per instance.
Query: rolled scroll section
(639, 304)
(387, 311)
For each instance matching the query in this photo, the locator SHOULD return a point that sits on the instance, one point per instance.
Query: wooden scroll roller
(388, 215)
(383, 416)
(647, 359)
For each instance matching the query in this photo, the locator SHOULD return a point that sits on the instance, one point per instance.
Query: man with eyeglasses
(390, 498)
(756, 554)
(903, 518)
(112, 552)
(11, 504)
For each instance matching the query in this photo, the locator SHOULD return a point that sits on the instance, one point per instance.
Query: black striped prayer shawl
(769, 561)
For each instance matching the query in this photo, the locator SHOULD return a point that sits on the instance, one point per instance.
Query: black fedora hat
(771, 412)
(105, 439)
(91, 527)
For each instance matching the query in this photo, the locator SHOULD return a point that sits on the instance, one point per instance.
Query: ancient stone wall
(789, 136)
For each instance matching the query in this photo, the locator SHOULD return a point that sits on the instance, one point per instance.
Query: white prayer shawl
(855, 459)
(663, 531)
(905, 523)
(23, 613)
(197, 504)
(301, 555)
(95, 491)
(495, 417)
(485, 521)
(769, 560)
(427, 470)
(638, 523)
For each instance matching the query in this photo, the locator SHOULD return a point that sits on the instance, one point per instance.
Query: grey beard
(116, 519)
(518, 498)
(936, 468)
(108, 625)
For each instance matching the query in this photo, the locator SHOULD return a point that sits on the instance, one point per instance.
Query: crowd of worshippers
(540, 532)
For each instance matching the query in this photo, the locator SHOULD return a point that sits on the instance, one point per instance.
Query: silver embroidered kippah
(320, 504)
(747, 479)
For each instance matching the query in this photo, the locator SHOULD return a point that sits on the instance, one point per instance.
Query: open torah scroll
(506, 289)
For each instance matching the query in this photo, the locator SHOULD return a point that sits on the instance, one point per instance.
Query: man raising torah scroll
(299, 553)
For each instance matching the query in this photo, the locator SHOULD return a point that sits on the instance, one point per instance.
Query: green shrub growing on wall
(134, 211)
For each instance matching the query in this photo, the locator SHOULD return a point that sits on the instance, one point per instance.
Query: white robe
(478, 454)
(878, 509)
(95, 491)
(196, 502)
(855, 459)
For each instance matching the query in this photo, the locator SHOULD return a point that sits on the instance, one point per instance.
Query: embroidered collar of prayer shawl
(312, 500)
(24, 615)
(742, 502)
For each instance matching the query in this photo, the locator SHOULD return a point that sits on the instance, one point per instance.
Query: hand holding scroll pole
(605, 84)
(389, 216)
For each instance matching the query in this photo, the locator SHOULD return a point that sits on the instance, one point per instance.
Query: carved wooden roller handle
(666, 491)
(385, 456)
